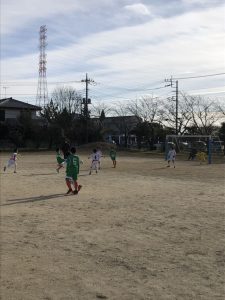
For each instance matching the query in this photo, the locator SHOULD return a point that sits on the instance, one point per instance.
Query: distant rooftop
(16, 104)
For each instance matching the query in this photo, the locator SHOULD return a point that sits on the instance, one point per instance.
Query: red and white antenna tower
(42, 90)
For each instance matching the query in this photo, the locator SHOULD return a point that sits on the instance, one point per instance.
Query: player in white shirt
(171, 156)
(94, 161)
(12, 161)
(99, 156)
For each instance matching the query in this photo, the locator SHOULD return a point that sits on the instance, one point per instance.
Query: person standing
(66, 149)
(72, 171)
(112, 155)
(192, 154)
(94, 161)
(12, 161)
(60, 160)
(99, 156)
(171, 156)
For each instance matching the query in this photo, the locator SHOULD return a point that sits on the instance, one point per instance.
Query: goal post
(188, 144)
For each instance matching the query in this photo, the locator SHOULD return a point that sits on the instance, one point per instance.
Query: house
(11, 109)
(120, 129)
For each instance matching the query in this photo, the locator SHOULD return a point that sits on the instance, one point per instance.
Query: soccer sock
(68, 184)
(75, 185)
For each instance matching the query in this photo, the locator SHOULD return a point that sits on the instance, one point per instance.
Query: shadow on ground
(33, 199)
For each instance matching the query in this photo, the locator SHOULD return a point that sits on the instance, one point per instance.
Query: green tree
(50, 112)
(62, 114)
(149, 134)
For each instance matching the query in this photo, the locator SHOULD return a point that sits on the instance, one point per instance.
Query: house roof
(16, 104)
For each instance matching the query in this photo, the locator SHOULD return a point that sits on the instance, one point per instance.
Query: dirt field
(140, 231)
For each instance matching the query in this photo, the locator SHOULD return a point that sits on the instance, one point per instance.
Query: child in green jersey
(72, 171)
(112, 155)
(59, 159)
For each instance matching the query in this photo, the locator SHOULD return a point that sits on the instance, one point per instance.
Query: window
(2, 115)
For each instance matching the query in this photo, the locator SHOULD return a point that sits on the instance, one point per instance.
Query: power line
(102, 94)
(199, 76)
(22, 94)
(157, 88)
(14, 83)
(142, 87)
(132, 90)
(78, 81)
(110, 94)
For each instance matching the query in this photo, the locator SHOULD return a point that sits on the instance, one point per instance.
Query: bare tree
(205, 114)
(221, 108)
(195, 113)
(147, 108)
(125, 122)
(98, 107)
(99, 110)
(168, 113)
(67, 98)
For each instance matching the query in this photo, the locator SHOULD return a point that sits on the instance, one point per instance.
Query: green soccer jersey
(112, 154)
(72, 167)
(59, 159)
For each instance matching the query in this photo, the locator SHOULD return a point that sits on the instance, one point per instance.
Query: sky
(127, 47)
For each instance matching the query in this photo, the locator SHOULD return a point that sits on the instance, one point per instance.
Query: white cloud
(138, 9)
(211, 91)
(16, 14)
(19, 14)
(137, 55)
(191, 2)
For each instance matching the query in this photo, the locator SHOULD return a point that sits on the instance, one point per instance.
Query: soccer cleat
(90, 173)
(75, 192)
(79, 187)
(69, 191)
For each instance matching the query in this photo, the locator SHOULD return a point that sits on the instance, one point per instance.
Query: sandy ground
(140, 231)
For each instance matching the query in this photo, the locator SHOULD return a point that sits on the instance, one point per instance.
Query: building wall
(15, 113)
(11, 113)
(33, 115)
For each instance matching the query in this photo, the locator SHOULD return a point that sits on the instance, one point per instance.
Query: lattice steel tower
(42, 90)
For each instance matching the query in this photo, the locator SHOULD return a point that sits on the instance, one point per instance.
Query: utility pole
(171, 84)
(85, 103)
(5, 87)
